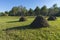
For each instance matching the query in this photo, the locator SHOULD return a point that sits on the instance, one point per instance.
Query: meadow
(11, 29)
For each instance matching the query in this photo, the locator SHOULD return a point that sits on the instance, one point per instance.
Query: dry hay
(52, 18)
(22, 19)
(39, 21)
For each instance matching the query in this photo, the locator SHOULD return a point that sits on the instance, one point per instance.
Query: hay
(52, 18)
(39, 22)
(22, 19)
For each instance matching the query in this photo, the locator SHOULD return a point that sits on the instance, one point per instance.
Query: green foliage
(30, 12)
(58, 14)
(54, 10)
(18, 11)
(13, 11)
(44, 11)
(37, 11)
(22, 11)
(3, 14)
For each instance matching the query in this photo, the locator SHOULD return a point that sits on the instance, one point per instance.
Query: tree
(1, 14)
(55, 5)
(37, 11)
(30, 12)
(21, 10)
(6, 12)
(44, 11)
(58, 14)
(50, 11)
(53, 10)
(13, 11)
(24, 11)
(18, 11)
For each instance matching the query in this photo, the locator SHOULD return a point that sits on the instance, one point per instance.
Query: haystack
(52, 18)
(22, 19)
(39, 21)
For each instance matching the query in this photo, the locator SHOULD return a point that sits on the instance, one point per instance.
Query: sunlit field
(11, 29)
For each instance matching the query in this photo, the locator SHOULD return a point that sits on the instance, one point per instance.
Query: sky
(6, 5)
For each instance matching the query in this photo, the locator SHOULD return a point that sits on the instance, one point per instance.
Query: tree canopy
(22, 11)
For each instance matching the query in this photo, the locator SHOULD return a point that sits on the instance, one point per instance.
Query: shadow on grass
(21, 28)
(18, 28)
(12, 21)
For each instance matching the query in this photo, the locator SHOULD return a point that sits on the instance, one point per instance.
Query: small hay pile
(22, 19)
(52, 18)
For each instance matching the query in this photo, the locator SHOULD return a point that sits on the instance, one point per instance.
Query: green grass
(23, 33)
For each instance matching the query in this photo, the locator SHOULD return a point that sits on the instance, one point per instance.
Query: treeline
(22, 11)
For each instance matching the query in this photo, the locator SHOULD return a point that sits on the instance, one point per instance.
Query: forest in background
(22, 11)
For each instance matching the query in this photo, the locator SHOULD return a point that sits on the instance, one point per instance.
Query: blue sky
(6, 5)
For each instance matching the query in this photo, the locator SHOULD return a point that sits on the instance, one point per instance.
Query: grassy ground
(20, 31)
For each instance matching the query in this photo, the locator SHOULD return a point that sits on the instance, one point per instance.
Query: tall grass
(49, 33)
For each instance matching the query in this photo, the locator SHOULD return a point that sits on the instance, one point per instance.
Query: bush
(39, 22)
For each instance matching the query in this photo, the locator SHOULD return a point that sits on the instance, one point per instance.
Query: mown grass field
(19, 31)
